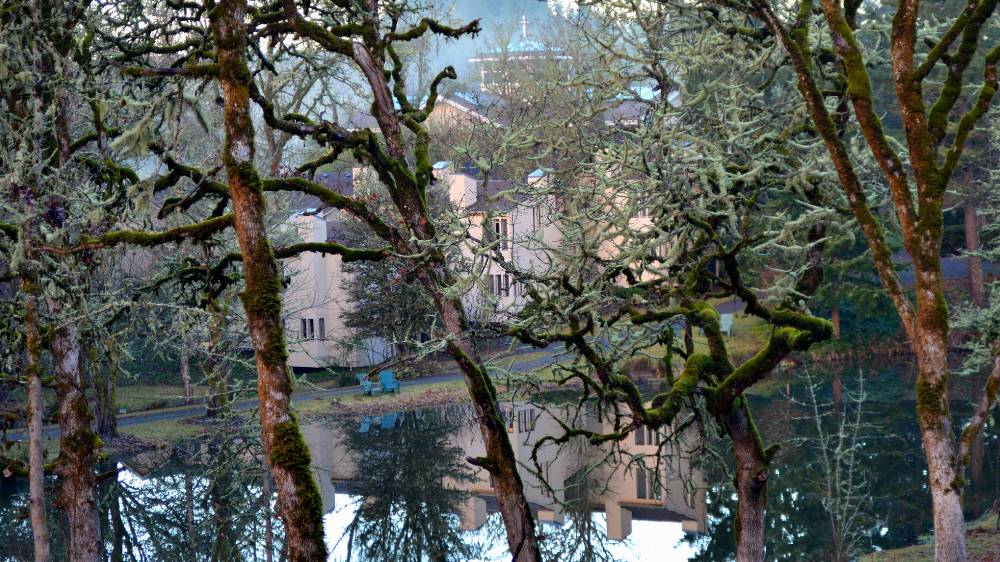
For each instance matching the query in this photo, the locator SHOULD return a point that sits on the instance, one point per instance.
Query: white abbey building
(315, 301)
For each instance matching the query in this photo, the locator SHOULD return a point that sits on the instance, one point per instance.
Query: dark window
(525, 421)
(312, 329)
(653, 437)
(647, 484)
(305, 333)
(500, 229)
(322, 328)
(499, 285)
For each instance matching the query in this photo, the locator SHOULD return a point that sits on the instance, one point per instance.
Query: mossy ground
(407, 397)
(983, 543)
(167, 431)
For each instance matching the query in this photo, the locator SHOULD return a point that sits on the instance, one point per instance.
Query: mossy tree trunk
(36, 446)
(944, 469)
(78, 444)
(403, 166)
(752, 472)
(977, 285)
(185, 371)
(299, 503)
(499, 461)
(217, 403)
(106, 413)
(935, 143)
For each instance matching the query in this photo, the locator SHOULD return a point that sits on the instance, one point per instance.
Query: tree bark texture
(36, 446)
(919, 211)
(78, 445)
(299, 504)
(185, 368)
(105, 380)
(752, 472)
(977, 284)
(944, 470)
(217, 403)
(409, 200)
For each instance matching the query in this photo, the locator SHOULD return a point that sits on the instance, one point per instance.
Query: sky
(492, 13)
(650, 541)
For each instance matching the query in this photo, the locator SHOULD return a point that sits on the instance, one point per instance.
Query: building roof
(358, 120)
(341, 182)
(491, 197)
(521, 47)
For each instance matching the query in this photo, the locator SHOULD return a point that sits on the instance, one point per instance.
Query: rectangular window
(500, 230)
(536, 218)
(525, 421)
(312, 329)
(499, 285)
(322, 328)
(647, 484)
(305, 333)
(640, 436)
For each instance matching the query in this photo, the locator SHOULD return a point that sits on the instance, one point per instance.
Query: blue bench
(389, 421)
(367, 387)
(389, 382)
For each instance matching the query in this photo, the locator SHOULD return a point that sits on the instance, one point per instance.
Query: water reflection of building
(669, 491)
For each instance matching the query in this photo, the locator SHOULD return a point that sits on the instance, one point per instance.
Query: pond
(397, 486)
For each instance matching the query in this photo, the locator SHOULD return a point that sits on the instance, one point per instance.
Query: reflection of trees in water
(405, 512)
(202, 506)
(15, 527)
(593, 473)
(580, 538)
(895, 512)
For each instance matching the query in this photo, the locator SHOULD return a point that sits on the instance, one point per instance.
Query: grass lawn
(142, 397)
(324, 407)
(168, 431)
(983, 541)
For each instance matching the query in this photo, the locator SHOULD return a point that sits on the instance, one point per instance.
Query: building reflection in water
(415, 462)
